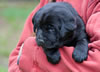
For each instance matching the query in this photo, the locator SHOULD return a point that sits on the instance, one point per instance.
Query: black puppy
(56, 25)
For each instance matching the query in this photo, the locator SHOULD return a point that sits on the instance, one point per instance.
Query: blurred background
(13, 14)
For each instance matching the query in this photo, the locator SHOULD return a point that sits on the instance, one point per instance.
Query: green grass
(13, 16)
(12, 19)
(3, 69)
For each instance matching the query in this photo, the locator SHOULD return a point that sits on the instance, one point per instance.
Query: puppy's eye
(50, 26)
(35, 30)
(51, 30)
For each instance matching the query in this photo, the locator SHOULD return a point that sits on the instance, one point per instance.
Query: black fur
(56, 25)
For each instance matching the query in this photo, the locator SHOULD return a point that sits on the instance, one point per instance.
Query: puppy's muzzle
(40, 42)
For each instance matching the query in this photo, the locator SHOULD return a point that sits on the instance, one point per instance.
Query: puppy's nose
(40, 42)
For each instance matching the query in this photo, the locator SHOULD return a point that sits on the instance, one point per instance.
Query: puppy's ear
(67, 27)
(38, 18)
(34, 23)
(80, 23)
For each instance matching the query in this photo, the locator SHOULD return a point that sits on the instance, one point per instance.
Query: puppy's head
(54, 26)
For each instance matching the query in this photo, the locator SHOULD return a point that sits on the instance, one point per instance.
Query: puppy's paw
(53, 55)
(79, 56)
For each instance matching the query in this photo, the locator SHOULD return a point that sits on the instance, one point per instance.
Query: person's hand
(25, 59)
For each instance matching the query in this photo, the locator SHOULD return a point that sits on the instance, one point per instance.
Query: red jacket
(28, 57)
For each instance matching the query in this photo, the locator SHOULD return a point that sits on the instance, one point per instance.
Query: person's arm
(93, 27)
(93, 30)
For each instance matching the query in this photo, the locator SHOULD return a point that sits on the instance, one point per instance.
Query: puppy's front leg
(53, 55)
(81, 50)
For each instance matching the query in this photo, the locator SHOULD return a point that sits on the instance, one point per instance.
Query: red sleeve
(27, 32)
(93, 30)
(93, 27)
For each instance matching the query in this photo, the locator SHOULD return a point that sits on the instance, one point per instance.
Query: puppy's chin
(49, 46)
